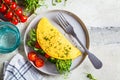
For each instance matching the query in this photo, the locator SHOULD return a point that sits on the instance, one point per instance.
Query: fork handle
(94, 60)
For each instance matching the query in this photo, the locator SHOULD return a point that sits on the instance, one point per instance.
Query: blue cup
(9, 37)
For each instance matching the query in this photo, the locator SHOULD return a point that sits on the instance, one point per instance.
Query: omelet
(53, 42)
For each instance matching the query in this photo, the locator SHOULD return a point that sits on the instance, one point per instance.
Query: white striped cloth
(20, 69)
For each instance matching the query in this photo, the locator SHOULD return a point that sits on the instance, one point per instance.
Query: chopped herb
(54, 2)
(51, 37)
(65, 2)
(58, 1)
(51, 29)
(66, 53)
(46, 38)
(55, 47)
(50, 44)
(59, 43)
(70, 48)
(90, 76)
(67, 50)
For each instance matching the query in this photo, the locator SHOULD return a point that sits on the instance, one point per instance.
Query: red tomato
(37, 45)
(8, 15)
(18, 11)
(13, 5)
(14, 21)
(2, 8)
(32, 56)
(7, 1)
(39, 62)
(23, 18)
(47, 56)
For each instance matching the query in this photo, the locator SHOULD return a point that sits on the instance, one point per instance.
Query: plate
(79, 28)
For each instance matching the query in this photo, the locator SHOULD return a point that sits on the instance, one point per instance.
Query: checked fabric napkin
(20, 69)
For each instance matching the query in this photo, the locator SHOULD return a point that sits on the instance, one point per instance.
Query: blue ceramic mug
(9, 37)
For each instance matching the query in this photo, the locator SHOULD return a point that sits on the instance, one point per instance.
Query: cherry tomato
(14, 21)
(8, 15)
(37, 45)
(2, 8)
(32, 56)
(39, 62)
(23, 18)
(13, 5)
(47, 56)
(18, 11)
(7, 1)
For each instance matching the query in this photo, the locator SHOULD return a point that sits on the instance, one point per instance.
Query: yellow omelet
(53, 42)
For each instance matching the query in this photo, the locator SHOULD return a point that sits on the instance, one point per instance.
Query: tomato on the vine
(3, 8)
(14, 21)
(7, 1)
(13, 5)
(12, 12)
(23, 18)
(8, 15)
(18, 11)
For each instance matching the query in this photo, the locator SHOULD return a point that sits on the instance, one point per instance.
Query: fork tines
(61, 20)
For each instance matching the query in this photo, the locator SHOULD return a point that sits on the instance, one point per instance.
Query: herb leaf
(90, 76)
(63, 66)
(32, 5)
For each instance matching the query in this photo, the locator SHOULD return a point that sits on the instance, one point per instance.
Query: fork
(67, 27)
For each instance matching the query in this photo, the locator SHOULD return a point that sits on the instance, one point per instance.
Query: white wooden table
(103, 23)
